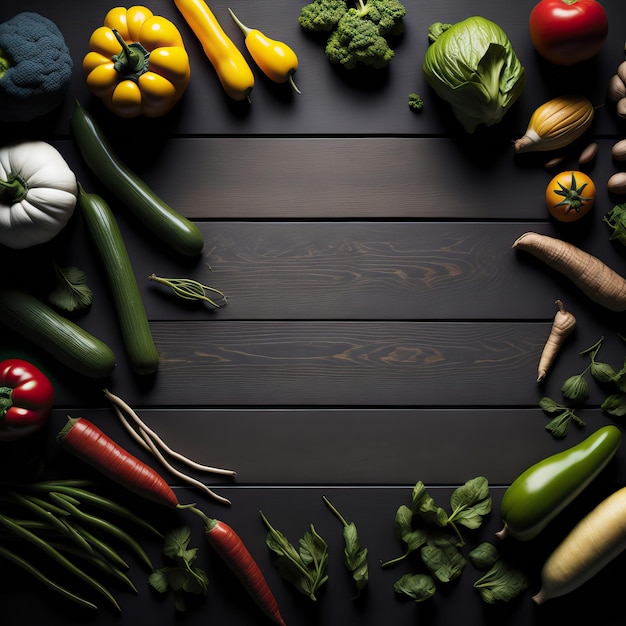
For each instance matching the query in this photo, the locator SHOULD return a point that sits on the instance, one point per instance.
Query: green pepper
(541, 492)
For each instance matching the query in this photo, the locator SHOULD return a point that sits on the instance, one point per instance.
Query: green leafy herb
(484, 555)
(355, 557)
(576, 388)
(562, 417)
(304, 568)
(616, 219)
(71, 292)
(419, 587)
(442, 556)
(182, 577)
(615, 405)
(469, 504)
(501, 583)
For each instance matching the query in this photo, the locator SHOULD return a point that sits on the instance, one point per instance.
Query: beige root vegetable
(594, 278)
(556, 124)
(562, 326)
(593, 543)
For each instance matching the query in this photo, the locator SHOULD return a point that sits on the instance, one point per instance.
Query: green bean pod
(541, 492)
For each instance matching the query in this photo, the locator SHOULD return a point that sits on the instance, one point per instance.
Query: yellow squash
(274, 58)
(137, 63)
(232, 68)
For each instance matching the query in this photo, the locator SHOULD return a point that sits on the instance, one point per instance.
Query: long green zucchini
(67, 342)
(131, 313)
(153, 212)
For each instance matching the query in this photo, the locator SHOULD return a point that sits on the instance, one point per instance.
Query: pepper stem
(132, 61)
(244, 29)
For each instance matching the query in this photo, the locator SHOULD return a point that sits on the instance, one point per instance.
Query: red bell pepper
(26, 398)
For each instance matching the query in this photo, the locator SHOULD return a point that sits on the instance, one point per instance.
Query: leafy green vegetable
(616, 219)
(563, 416)
(442, 556)
(355, 557)
(420, 587)
(358, 33)
(484, 555)
(182, 577)
(472, 66)
(501, 583)
(414, 524)
(304, 568)
(71, 292)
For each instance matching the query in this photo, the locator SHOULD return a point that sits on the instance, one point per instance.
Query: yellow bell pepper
(137, 63)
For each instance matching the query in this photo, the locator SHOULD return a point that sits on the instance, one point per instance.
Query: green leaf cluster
(182, 576)
(428, 528)
(502, 582)
(576, 390)
(616, 219)
(306, 567)
(358, 34)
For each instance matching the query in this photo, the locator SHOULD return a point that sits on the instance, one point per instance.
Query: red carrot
(87, 442)
(227, 543)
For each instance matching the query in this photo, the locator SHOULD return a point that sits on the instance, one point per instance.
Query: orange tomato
(570, 195)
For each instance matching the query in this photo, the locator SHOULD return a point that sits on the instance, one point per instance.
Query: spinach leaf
(501, 583)
(419, 587)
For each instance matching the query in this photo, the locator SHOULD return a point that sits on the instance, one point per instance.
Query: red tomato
(566, 32)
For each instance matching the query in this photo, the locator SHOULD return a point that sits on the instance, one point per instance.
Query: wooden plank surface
(380, 330)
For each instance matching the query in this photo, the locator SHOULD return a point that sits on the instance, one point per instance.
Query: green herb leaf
(549, 405)
(305, 568)
(575, 388)
(423, 505)
(71, 292)
(442, 556)
(355, 557)
(563, 416)
(419, 587)
(602, 372)
(182, 577)
(484, 555)
(470, 503)
(615, 405)
(501, 583)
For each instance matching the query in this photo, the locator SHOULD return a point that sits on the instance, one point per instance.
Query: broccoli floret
(355, 40)
(387, 15)
(35, 67)
(322, 15)
(415, 102)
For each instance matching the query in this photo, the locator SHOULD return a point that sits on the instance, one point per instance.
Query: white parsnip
(593, 277)
(591, 545)
(562, 326)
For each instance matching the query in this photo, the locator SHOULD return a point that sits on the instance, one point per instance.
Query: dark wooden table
(380, 329)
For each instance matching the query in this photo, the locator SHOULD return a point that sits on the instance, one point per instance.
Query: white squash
(37, 193)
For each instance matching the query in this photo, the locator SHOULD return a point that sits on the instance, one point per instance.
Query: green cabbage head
(472, 66)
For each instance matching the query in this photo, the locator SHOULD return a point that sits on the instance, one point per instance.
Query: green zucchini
(541, 492)
(131, 313)
(154, 213)
(67, 342)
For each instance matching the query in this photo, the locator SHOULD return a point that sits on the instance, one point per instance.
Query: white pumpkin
(37, 193)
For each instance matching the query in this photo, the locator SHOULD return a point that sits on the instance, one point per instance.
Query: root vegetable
(593, 543)
(617, 183)
(562, 326)
(595, 279)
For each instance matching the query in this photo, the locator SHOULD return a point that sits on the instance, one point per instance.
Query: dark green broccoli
(357, 40)
(415, 102)
(322, 15)
(35, 67)
(357, 34)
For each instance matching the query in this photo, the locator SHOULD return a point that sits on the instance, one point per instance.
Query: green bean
(99, 562)
(26, 534)
(101, 524)
(102, 547)
(38, 507)
(33, 571)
